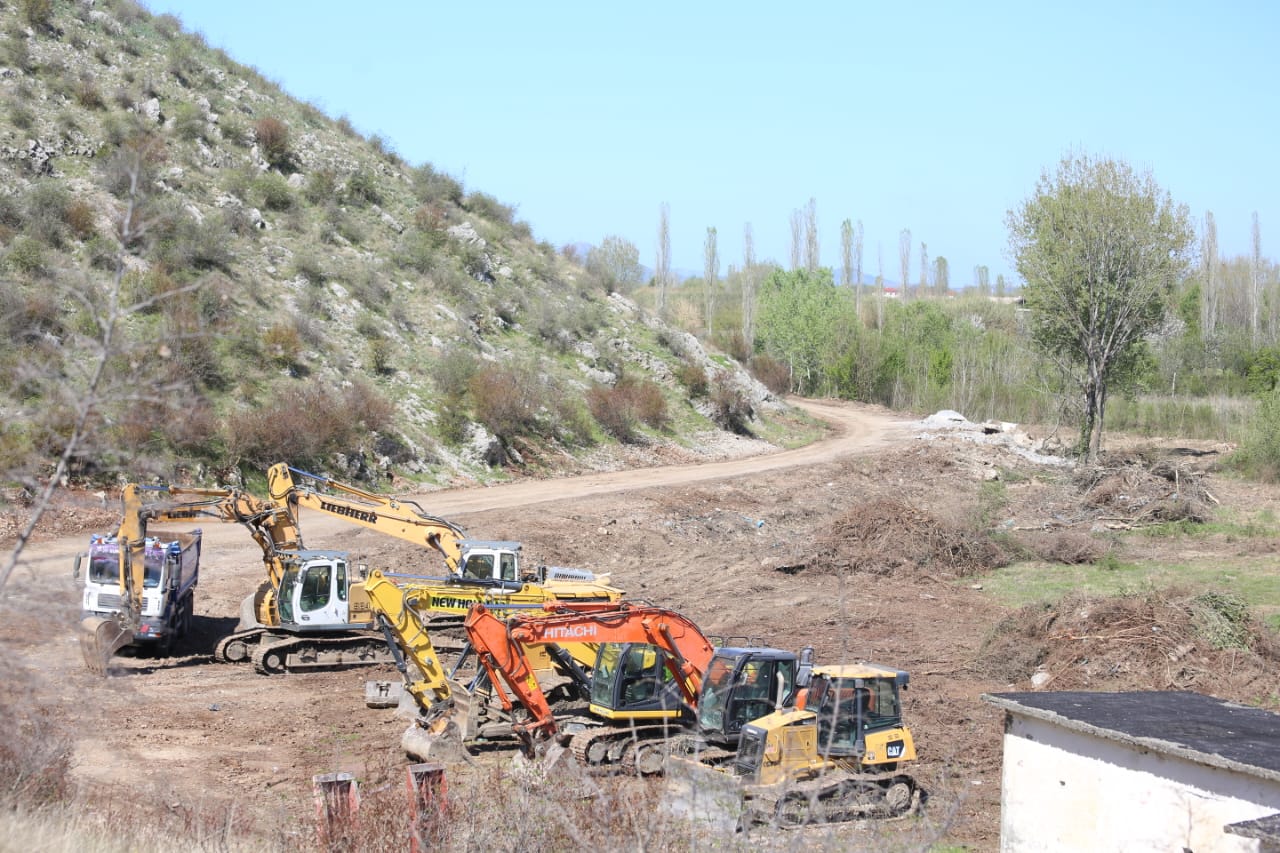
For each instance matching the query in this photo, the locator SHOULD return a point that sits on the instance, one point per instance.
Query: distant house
(1137, 771)
(891, 293)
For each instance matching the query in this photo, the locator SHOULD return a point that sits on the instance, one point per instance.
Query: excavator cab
(315, 590)
(744, 684)
(633, 681)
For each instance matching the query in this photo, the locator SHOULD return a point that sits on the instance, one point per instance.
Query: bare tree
(904, 259)
(748, 287)
(797, 231)
(117, 370)
(1255, 279)
(941, 276)
(710, 278)
(662, 272)
(982, 279)
(811, 248)
(924, 268)
(1209, 267)
(846, 252)
(857, 268)
(880, 285)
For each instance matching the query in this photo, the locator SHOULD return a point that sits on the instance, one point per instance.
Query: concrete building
(1161, 771)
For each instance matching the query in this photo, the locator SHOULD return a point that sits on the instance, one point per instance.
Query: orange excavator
(658, 685)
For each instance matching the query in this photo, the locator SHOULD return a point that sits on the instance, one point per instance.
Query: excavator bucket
(702, 794)
(440, 739)
(100, 639)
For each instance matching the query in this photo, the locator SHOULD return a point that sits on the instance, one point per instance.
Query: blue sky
(937, 117)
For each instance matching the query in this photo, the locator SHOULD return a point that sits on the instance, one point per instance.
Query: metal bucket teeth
(100, 639)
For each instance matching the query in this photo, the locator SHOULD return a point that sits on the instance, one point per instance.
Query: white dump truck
(168, 590)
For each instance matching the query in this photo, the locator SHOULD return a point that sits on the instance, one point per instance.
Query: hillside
(260, 282)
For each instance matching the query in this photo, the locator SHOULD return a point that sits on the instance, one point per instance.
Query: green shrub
(483, 204)
(87, 93)
(1259, 454)
(188, 121)
(381, 351)
(692, 377)
(21, 115)
(307, 265)
(81, 219)
(431, 186)
(37, 13)
(321, 186)
(274, 192)
(283, 344)
(27, 256)
(453, 372)
(45, 208)
(362, 188)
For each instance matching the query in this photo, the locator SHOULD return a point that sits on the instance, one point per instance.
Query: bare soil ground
(776, 546)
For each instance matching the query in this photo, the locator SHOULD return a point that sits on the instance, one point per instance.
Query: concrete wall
(1069, 790)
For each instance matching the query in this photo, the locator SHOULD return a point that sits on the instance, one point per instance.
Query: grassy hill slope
(199, 273)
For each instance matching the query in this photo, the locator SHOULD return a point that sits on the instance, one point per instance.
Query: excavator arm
(404, 519)
(501, 649)
(407, 636)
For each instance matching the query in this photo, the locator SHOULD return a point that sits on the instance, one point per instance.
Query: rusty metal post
(428, 800)
(337, 798)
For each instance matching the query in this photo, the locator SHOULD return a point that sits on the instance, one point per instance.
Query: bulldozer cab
(851, 703)
(745, 684)
(315, 591)
(633, 681)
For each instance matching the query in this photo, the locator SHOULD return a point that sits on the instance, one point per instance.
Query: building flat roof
(1190, 725)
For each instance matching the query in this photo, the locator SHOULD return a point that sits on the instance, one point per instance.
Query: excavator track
(238, 647)
(591, 747)
(278, 654)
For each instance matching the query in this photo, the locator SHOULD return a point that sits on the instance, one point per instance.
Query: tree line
(1129, 311)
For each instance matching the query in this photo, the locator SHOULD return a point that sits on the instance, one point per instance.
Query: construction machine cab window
(479, 567)
(847, 708)
(315, 587)
(739, 689)
(508, 567)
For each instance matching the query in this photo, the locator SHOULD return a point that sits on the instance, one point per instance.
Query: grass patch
(1254, 580)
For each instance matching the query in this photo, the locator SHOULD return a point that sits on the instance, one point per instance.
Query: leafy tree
(797, 316)
(617, 262)
(1101, 250)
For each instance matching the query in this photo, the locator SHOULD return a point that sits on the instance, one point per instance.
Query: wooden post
(428, 800)
(337, 798)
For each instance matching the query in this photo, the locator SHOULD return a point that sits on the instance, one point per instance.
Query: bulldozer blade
(100, 639)
(702, 794)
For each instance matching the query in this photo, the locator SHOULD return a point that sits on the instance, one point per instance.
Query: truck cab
(172, 565)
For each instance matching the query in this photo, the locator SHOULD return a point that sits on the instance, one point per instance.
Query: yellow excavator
(318, 612)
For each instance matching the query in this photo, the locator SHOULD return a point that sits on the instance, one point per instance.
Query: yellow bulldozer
(837, 756)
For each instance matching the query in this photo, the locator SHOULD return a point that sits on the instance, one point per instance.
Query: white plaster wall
(1065, 790)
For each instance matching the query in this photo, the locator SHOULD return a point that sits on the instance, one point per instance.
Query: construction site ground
(820, 545)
